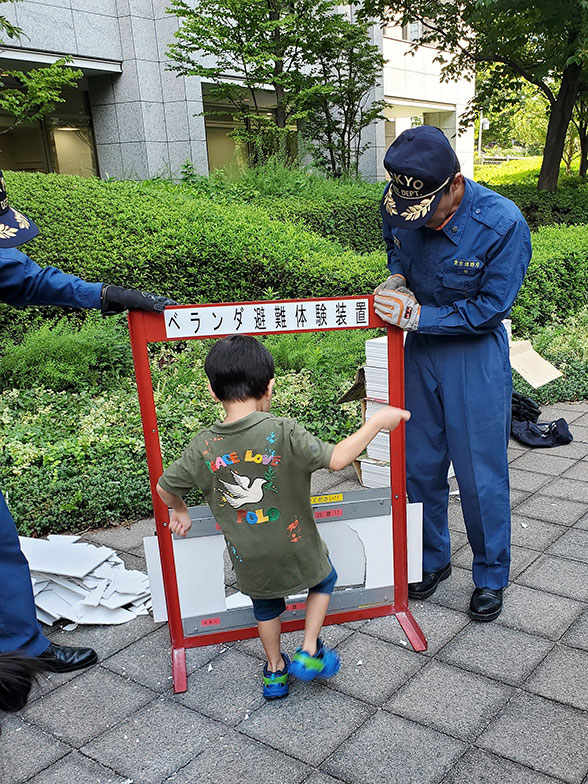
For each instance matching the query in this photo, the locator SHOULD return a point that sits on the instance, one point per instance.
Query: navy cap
(421, 163)
(15, 228)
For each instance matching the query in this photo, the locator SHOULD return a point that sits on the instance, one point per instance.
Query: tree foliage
(318, 63)
(29, 95)
(543, 42)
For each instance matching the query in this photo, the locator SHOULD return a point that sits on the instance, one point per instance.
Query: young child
(254, 470)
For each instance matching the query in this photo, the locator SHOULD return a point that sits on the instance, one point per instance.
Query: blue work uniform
(22, 282)
(457, 372)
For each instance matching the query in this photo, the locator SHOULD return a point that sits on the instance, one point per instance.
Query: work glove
(398, 307)
(391, 283)
(115, 299)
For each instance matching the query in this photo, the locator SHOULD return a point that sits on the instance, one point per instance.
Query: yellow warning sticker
(326, 499)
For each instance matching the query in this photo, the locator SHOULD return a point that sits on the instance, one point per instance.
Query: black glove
(115, 299)
(524, 409)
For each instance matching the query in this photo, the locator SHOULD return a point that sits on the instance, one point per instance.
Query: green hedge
(158, 236)
(567, 206)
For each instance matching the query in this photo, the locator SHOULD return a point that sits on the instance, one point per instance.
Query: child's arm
(179, 519)
(347, 450)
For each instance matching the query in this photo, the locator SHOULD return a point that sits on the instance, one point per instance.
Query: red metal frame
(148, 328)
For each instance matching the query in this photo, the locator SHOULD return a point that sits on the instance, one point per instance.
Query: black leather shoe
(428, 585)
(485, 604)
(59, 658)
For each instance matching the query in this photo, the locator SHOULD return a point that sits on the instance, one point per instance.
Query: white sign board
(209, 321)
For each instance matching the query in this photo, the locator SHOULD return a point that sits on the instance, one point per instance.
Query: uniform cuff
(428, 319)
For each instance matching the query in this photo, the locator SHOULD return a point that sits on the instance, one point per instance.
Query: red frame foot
(179, 675)
(412, 630)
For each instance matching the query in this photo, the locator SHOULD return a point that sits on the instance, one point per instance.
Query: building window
(61, 142)
(412, 31)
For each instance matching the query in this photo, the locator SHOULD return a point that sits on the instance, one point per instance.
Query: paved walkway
(499, 702)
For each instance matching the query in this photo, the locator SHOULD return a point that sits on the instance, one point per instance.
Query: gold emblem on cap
(416, 211)
(7, 232)
(23, 223)
(389, 203)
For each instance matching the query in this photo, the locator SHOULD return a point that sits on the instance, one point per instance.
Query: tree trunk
(559, 119)
(583, 136)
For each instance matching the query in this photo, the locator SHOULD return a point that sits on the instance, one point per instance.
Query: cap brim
(408, 213)
(16, 229)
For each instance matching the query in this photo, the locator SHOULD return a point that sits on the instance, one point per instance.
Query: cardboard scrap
(83, 583)
(531, 365)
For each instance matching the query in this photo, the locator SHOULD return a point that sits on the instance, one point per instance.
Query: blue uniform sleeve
(502, 278)
(22, 282)
(394, 264)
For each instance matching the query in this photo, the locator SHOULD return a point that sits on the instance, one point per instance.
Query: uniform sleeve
(501, 280)
(22, 282)
(394, 264)
(310, 450)
(185, 473)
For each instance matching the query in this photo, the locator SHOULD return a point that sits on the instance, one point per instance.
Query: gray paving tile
(392, 750)
(538, 612)
(573, 544)
(550, 413)
(558, 575)
(123, 537)
(526, 480)
(236, 759)
(578, 471)
(543, 463)
(574, 406)
(575, 449)
(496, 651)
(458, 539)
(228, 689)
(371, 670)
(520, 559)
(86, 706)
(583, 420)
(154, 742)
(455, 592)
(582, 523)
(580, 433)
(321, 778)
(561, 676)
(325, 481)
(106, 640)
(533, 534)
(577, 634)
(450, 700)
(26, 750)
(481, 767)
(571, 489)
(439, 625)
(515, 450)
(148, 660)
(310, 724)
(455, 516)
(517, 497)
(79, 769)
(551, 509)
(544, 735)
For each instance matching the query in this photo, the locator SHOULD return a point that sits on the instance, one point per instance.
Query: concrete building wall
(147, 120)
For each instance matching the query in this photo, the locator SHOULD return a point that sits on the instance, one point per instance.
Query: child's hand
(179, 522)
(389, 418)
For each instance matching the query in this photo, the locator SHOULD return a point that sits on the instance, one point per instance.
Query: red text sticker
(210, 621)
(328, 513)
(296, 606)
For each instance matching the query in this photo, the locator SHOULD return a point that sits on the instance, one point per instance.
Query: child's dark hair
(239, 367)
(17, 674)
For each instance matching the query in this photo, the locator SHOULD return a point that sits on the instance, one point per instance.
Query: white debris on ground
(83, 583)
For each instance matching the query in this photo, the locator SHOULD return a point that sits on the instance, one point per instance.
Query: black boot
(485, 604)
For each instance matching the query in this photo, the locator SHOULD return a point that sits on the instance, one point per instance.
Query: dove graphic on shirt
(244, 491)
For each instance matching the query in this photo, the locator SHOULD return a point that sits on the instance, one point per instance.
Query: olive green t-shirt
(255, 475)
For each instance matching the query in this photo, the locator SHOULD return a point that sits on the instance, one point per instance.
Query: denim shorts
(268, 609)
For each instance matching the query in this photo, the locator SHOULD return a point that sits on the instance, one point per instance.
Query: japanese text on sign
(256, 318)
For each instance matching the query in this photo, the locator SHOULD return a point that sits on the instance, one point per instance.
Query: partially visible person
(457, 256)
(17, 675)
(22, 282)
(254, 470)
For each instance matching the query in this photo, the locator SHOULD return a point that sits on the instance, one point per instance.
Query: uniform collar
(456, 226)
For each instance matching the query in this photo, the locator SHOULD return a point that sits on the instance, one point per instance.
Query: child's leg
(269, 634)
(317, 605)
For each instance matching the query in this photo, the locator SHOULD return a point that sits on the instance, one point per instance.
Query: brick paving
(499, 702)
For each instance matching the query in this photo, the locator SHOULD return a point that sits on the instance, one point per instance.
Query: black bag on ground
(524, 408)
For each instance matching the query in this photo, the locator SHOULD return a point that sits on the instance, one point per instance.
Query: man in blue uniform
(457, 256)
(22, 282)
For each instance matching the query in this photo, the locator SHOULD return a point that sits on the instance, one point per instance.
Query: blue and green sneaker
(324, 664)
(275, 684)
